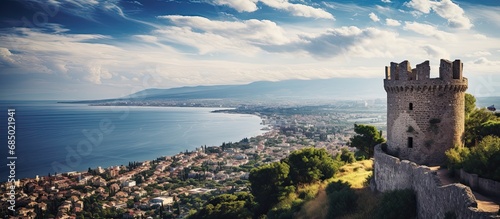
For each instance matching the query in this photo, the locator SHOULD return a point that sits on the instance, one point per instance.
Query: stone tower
(425, 116)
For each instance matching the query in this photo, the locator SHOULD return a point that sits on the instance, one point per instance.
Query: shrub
(456, 157)
(347, 156)
(397, 204)
(342, 199)
(483, 159)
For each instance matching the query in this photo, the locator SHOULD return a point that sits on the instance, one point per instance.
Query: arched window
(410, 106)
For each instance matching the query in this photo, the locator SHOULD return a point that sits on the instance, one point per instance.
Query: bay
(53, 137)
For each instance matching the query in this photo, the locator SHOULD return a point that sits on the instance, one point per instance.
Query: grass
(356, 174)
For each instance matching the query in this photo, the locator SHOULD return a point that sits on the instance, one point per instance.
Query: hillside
(355, 174)
(320, 89)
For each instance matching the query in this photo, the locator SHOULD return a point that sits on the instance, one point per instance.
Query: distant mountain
(289, 90)
(338, 88)
(305, 91)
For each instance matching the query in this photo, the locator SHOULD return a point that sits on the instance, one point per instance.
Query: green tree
(474, 126)
(491, 127)
(228, 206)
(366, 138)
(268, 184)
(484, 159)
(310, 164)
(470, 104)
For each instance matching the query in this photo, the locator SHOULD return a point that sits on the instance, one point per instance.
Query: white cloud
(137, 3)
(485, 61)
(453, 13)
(352, 41)
(423, 6)
(478, 54)
(252, 37)
(392, 22)
(244, 51)
(428, 30)
(480, 36)
(382, 8)
(243, 37)
(446, 9)
(6, 57)
(80, 8)
(436, 52)
(386, 1)
(239, 5)
(298, 9)
(374, 17)
(68, 55)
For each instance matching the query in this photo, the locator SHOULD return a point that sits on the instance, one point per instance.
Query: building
(161, 201)
(129, 183)
(425, 116)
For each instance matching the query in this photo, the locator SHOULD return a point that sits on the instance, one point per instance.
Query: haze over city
(76, 49)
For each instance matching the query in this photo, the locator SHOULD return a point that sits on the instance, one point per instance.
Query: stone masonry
(434, 200)
(425, 116)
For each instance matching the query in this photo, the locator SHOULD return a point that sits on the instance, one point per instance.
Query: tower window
(410, 106)
(410, 142)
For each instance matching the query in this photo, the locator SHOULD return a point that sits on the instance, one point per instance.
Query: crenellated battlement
(448, 71)
(402, 78)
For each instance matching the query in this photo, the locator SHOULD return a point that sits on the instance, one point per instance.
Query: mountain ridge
(321, 89)
(336, 87)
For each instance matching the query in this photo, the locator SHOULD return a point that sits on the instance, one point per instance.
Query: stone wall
(433, 199)
(425, 116)
(487, 186)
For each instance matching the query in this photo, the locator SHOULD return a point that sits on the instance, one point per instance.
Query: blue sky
(91, 49)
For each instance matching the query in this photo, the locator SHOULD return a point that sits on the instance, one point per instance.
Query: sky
(93, 49)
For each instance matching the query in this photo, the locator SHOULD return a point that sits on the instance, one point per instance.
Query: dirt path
(484, 203)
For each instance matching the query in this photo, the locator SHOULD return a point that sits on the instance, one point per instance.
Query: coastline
(169, 149)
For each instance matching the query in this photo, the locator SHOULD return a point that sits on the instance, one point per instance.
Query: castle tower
(425, 116)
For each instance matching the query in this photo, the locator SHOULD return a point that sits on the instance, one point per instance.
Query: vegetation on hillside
(482, 140)
(341, 198)
(306, 166)
(483, 159)
(287, 188)
(479, 123)
(227, 206)
(279, 189)
(397, 204)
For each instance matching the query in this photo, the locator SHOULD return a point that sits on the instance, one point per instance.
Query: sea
(53, 137)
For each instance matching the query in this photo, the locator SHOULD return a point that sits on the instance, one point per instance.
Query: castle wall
(487, 186)
(429, 111)
(433, 199)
